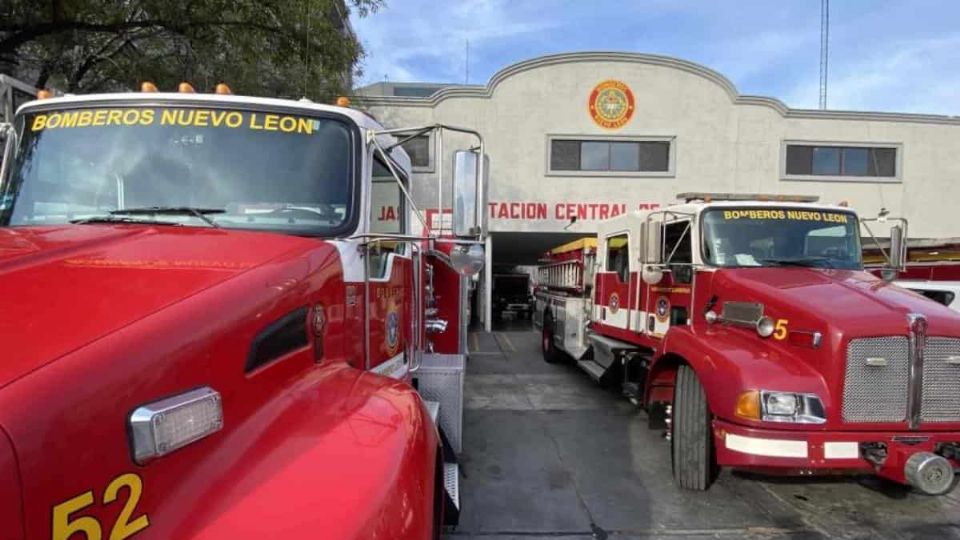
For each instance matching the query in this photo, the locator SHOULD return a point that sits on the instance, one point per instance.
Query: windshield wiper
(199, 213)
(119, 219)
(807, 262)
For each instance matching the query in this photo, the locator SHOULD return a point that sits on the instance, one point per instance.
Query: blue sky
(884, 55)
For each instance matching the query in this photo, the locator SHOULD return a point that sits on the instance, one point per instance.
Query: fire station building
(580, 137)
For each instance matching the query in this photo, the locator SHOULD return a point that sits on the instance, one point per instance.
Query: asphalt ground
(548, 454)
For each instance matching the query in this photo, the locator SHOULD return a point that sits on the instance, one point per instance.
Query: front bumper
(819, 452)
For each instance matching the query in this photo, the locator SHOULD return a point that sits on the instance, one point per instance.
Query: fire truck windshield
(196, 166)
(769, 236)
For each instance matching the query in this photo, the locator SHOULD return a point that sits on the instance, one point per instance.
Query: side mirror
(897, 247)
(469, 203)
(898, 251)
(651, 274)
(467, 259)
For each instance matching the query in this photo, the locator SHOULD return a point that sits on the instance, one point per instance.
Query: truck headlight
(780, 403)
(770, 406)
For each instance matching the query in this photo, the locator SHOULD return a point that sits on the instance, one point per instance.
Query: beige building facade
(593, 135)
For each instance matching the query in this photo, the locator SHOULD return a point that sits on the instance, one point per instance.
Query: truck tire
(550, 353)
(691, 441)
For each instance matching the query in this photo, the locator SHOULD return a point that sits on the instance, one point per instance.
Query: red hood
(64, 287)
(849, 303)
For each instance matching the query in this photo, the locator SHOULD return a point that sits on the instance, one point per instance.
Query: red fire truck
(749, 330)
(206, 331)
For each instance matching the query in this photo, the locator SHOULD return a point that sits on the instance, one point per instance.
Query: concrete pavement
(548, 454)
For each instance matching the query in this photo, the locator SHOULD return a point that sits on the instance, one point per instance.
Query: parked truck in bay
(205, 332)
(748, 329)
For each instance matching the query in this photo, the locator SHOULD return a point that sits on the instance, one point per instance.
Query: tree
(289, 48)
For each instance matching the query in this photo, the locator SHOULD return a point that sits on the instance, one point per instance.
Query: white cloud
(917, 75)
(434, 35)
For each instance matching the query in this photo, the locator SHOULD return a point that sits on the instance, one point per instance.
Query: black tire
(550, 353)
(691, 440)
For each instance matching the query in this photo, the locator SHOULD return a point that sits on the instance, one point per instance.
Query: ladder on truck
(569, 267)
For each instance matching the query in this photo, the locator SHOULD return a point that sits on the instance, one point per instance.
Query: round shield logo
(392, 330)
(663, 309)
(611, 104)
(614, 303)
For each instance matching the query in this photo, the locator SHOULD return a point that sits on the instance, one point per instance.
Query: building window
(613, 156)
(418, 148)
(839, 161)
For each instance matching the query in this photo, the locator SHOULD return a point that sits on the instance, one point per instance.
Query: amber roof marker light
(222, 89)
(44, 94)
(147, 86)
(343, 101)
(186, 88)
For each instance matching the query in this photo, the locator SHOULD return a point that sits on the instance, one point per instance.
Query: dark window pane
(826, 161)
(419, 150)
(799, 159)
(883, 162)
(855, 161)
(618, 256)
(594, 156)
(655, 156)
(565, 155)
(624, 156)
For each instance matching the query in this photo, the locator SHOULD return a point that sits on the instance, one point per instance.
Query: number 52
(125, 527)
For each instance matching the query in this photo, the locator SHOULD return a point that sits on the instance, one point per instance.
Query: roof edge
(486, 91)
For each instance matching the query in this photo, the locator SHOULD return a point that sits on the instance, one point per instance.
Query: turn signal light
(748, 405)
(158, 428)
(147, 86)
(186, 88)
(222, 89)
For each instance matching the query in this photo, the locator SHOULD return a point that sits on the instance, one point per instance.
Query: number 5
(780, 332)
(63, 528)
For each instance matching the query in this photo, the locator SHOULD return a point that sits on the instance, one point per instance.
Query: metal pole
(488, 286)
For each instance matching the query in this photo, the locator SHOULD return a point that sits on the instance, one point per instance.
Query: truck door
(668, 303)
(389, 279)
(612, 293)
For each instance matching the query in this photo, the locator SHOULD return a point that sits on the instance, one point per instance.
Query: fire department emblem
(392, 331)
(614, 303)
(611, 104)
(663, 309)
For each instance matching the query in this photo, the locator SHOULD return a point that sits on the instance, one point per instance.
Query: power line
(824, 50)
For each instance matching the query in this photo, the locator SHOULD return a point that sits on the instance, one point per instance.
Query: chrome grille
(877, 379)
(941, 380)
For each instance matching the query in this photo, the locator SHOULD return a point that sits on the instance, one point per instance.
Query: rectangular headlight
(780, 403)
(163, 426)
(792, 407)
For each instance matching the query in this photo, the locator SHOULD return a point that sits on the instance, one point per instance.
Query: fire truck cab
(207, 332)
(748, 329)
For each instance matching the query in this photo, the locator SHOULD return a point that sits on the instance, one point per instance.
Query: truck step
(451, 499)
(451, 482)
(594, 369)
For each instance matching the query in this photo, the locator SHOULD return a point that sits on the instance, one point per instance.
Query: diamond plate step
(594, 369)
(451, 482)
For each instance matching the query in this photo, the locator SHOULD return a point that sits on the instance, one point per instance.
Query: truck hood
(841, 303)
(64, 287)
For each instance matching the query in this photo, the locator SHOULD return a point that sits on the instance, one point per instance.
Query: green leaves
(283, 48)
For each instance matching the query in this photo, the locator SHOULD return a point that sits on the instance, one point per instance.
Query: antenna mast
(824, 49)
(466, 66)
